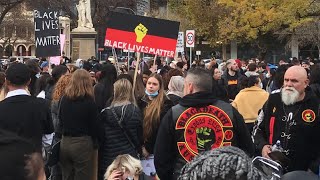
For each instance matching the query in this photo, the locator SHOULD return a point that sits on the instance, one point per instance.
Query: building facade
(17, 37)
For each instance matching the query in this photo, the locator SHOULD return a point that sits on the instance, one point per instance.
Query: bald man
(292, 117)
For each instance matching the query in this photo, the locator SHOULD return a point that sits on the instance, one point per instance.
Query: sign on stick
(180, 42)
(47, 33)
(142, 34)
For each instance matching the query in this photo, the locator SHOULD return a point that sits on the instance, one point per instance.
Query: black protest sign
(47, 33)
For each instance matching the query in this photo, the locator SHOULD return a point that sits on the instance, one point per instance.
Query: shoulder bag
(54, 152)
(124, 131)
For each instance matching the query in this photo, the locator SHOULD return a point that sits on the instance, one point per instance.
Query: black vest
(201, 129)
(296, 127)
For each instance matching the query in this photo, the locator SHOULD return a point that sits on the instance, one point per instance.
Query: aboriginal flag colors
(142, 34)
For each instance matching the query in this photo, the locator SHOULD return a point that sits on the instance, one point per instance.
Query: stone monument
(84, 36)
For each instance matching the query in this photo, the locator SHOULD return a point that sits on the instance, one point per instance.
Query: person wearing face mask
(247, 106)
(154, 105)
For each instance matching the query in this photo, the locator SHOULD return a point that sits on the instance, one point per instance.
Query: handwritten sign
(47, 33)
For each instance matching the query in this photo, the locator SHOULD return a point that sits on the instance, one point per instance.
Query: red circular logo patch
(204, 129)
(308, 115)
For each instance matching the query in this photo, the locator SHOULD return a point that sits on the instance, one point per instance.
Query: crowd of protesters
(176, 118)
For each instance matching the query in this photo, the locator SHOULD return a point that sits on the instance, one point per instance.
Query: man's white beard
(289, 95)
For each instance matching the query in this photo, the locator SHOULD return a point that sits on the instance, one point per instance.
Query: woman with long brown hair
(78, 116)
(155, 105)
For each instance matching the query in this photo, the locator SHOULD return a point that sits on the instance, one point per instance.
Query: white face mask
(38, 75)
(261, 85)
(267, 75)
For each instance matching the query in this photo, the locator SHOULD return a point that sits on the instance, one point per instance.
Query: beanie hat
(238, 61)
(221, 163)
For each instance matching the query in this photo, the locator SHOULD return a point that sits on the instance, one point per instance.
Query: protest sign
(180, 42)
(142, 34)
(47, 33)
(56, 59)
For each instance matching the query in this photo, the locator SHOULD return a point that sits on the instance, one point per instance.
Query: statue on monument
(84, 14)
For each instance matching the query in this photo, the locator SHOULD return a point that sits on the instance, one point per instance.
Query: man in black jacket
(232, 78)
(292, 117)
(198, 123)
(27, 116)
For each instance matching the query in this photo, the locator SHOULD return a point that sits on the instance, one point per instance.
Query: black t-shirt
(232, 86)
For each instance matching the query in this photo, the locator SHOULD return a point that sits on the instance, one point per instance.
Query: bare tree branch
(7, 6)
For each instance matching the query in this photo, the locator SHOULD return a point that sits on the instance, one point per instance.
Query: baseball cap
(44, 64)
(18, 74)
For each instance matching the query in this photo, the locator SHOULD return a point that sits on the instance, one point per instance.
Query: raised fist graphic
(141, 32)
(205, 139)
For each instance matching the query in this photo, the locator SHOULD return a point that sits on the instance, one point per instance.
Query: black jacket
(300, 139)
(27, 116)
(115, 142)
(219, 90)
(198, 116)
(49, 92)
(150, 142)
(102, 93)
(315, 89)
(232, 88)
(174, 98)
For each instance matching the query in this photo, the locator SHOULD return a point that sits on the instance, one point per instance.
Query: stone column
(224, 52)
(234, 49)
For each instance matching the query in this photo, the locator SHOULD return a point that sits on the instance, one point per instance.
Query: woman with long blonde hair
(122, 122)
(80, 128)
(155, 105)
(125, 167)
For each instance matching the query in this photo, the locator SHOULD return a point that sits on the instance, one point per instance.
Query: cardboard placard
(47, 32)
(56, 59)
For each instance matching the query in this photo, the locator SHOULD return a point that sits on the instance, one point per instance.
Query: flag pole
(136, 72)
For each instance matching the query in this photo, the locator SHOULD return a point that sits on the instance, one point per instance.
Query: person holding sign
(154, 105)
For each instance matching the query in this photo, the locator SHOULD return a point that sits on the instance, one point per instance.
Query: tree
(6, 6)
(248, 19)
(201, 15)
(307, 34)
(17, 24)
(101, 12)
